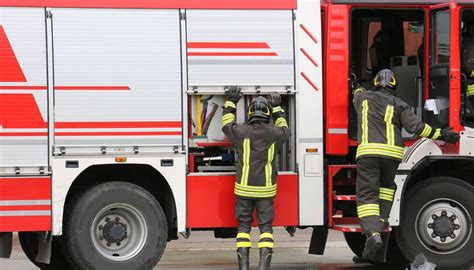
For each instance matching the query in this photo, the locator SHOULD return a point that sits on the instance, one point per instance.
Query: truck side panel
(23, 88)
(25, 209)
(117, 77)
(240, 47)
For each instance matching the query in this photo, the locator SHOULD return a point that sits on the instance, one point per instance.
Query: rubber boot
(243, 257)
(265, 258)
(372, 245)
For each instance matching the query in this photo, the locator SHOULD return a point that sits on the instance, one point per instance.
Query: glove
(275, 100)
(449, 136)
(233, 94)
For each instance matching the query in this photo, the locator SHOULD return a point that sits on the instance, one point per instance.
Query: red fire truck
(110, 122)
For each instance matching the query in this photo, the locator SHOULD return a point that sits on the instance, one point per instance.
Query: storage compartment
(210, 150)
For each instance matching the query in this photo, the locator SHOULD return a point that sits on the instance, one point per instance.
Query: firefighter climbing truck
(110, 132)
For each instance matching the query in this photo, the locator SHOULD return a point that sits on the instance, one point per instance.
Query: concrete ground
(203, 251)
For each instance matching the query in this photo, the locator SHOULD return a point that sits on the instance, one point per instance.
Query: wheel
(356, 242)
(437, 220)
(29, 244)
(116, 225)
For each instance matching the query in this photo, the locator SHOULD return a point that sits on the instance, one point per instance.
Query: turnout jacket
(256, 145)
(381, 117)
(468, 64)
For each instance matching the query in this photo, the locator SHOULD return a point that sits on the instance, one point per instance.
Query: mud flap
(44, 249)
(318, 240)
(381, 255)
(6, 244)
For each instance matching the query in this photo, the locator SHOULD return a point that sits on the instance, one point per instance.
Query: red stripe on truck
(25, 223)
(228, 45)
(165, 4)
(19, 188)
(232, 54)
(62, 88)
(20, 111)
(10, 70)
(79, 134)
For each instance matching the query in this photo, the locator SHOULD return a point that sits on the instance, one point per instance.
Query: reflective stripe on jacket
(381, 117)
(256, 145)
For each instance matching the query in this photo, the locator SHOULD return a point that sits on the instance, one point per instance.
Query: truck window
(441, 49)
(374, 28)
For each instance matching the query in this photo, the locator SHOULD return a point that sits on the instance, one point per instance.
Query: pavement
(203, 251)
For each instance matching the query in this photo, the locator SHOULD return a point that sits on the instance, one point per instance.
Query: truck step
(349, 224)
(344, 197)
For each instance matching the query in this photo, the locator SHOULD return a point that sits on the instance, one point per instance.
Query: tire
(29, 244)
(356, 242)
(116, 225)
(428, 211)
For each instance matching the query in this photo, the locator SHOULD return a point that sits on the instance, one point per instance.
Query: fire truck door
(437, 104)
(23, 89)
(117, 77)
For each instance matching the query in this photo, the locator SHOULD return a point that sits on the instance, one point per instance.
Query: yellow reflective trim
(387, 190)
(277, 109)
(365, 120)
(437, 134)
(371, 212)
(360, 89)
(228, 116)
(243, 244)
(281, 122)
(389, 129)
(380, 149)
(369, 215)
(265, 245)
(368, 206)
(266, 235)
(379, 153)
(255, 188)
(386, 197)
(360, 209)
(254, 194)
(227, 122)
(367, 210)
(243, 235)
(268, 166)
(229, 104)
(246, 162)
(426, 131)
(272, 189)
(470, 90)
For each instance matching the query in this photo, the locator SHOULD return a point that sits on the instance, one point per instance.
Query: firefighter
(256, 143)
(467, 56)
(381, 116)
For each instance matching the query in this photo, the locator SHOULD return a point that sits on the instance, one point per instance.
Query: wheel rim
(119, 232)
(443, 226)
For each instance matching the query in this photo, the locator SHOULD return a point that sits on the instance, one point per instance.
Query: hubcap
(443, 226)
(119, 232)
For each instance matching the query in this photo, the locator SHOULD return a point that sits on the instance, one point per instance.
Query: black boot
(372, 245)
(243, 257)
(265, 258)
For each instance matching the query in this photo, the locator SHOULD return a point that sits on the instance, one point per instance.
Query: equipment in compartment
(209, 149)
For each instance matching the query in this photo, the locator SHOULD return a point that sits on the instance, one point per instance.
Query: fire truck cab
(110, 131)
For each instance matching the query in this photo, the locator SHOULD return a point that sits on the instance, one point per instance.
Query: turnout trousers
(375, 189)
(265, 215)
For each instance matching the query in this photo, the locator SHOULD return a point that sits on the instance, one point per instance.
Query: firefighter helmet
(259, 109)
(386, 79)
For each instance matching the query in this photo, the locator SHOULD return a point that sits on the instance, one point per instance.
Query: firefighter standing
(467, 62)
(256, 143)
(381, 117)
